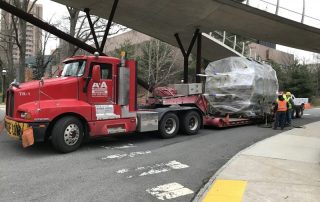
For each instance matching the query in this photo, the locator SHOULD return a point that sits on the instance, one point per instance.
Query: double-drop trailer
(97, 96)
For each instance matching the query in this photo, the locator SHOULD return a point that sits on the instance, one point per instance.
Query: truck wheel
(67, 134)
(299, 113)
(169, 125)
(191, 123)
(293, 115)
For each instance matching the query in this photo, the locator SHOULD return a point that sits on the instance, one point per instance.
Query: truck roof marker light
(122, 58)
(96, 54)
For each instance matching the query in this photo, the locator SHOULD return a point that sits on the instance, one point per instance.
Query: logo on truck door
(99, 89)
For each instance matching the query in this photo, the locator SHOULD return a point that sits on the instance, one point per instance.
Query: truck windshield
(73, 68)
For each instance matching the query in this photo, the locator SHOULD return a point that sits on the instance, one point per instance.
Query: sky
(312, 17)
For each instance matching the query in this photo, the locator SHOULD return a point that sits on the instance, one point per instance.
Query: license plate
(15, 129)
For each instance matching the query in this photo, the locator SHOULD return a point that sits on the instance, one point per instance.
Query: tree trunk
(11, 68)
(22, 50)
(73, 16)
(21, 42)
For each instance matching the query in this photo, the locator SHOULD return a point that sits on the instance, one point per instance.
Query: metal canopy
(163, 19)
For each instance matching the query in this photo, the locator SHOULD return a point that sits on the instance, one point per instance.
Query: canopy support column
(199, 56)
(186, 54)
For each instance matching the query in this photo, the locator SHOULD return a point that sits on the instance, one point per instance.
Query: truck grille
(10, 103)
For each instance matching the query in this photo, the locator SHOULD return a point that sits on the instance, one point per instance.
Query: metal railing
(277, 8)
(232, 43)
(231, 39)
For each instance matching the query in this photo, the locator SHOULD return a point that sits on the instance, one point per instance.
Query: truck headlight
(25, 115)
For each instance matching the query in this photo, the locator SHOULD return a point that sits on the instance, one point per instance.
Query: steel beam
(110, 19)
(93, 32)
(53, 30)
(45, 26)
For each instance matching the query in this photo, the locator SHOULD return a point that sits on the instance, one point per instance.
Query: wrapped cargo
(240, 86)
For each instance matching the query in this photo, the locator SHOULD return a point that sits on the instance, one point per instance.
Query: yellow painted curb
(226, 191)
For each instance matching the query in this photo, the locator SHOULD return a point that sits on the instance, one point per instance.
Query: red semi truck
(96, 96)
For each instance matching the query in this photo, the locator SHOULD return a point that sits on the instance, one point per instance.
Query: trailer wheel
(67, 134)
(299, 112)
(169, 125)
(191, 123)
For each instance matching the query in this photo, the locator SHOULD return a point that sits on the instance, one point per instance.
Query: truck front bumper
(15, 129)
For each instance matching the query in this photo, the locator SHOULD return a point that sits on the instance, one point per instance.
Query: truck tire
(299, 112)
(67, 134)
(190, 123)
(294, 113)
(169, 125)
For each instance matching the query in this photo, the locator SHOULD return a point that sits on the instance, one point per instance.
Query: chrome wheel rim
(71, 134)
(193, 123)
(170, 126)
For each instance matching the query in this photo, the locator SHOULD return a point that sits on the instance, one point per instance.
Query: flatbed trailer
(199, 101)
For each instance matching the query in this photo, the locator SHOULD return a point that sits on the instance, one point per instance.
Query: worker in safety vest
(281, 107)
(290, 102)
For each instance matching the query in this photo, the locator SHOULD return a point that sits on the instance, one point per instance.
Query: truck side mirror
(96, 75)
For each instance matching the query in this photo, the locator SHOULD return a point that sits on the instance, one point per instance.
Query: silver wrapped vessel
(240, 86)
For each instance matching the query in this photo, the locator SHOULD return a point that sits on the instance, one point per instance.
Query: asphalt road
(124, 168)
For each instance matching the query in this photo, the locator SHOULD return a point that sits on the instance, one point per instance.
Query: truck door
(100, 94)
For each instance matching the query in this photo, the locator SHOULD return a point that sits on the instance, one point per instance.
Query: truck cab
(82, 98)
(94, 96)
(298, 108)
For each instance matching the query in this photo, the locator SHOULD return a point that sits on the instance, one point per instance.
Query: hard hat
(288, 93)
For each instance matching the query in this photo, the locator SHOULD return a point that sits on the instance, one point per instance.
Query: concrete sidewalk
(285, 167)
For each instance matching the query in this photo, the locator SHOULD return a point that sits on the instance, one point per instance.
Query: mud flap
(27, 137)
(1, 126)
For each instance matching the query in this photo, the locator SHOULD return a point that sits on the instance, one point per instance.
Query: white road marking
(306, 114)
(130, 155)
(133, 154)
(156, 169)
(140, 168)
(120, 147)
(122, 171)
(114, 156)
(176, 165)
(169, 191)
(164, 168)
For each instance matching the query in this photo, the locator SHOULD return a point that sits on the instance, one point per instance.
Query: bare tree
(43, 60)
(20, 30)
(157, 63)
(7, 41)
(79, 28)
(73, 19)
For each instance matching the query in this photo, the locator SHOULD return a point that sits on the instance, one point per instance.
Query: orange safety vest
(282, 106)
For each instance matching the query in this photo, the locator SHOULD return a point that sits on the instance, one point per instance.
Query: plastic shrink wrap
(239, 86)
